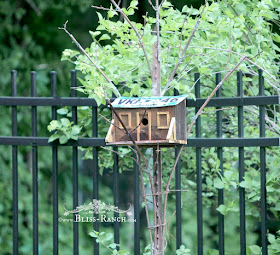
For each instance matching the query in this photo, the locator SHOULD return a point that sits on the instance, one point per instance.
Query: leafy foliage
(222, 38)
(244, 27)
(227, 31)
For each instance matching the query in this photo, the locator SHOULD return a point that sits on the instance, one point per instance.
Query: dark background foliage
(30, 40)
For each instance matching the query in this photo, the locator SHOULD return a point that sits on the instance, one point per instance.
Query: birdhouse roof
(147, 102)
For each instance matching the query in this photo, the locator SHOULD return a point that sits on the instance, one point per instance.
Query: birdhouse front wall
(143, 124)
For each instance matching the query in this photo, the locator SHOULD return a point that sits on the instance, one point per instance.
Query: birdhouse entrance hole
(145, 121)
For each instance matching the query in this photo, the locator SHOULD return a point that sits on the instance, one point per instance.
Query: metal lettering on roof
(147, 102)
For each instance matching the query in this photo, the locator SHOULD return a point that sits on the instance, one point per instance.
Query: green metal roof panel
(147, 102)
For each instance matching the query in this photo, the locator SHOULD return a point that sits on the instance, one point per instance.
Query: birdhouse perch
(150, 121)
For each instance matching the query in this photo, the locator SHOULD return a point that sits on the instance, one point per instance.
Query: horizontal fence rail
(95, 142)
(68, 101)
(192, 142)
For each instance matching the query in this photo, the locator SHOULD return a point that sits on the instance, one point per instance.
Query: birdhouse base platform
(161, 143)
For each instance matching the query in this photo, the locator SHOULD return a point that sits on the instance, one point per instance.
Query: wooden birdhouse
(150, 121)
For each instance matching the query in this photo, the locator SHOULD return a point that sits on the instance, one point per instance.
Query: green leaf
(96, 98)
(65, 122)
(94, 34)
(53, 137)
(228, 175)
(54, 124)
(271, 238)
(134, 4)
(228, 12)
(255, 249)
(75, 130)
(104, 37)
(109, 236)
(63, 139)
(244, 184)
(112, 245)
(93, 234)
(99, 16)
(222, 209)
(111, 14)
(62, 111)
(218, 183)
(276, 37)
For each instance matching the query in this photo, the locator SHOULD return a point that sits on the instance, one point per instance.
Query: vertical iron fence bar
(178, 195)
(136, 209)
(220, 157)
(198, 173)
(54, 172)
(75, 167)
(263, 170)
(241, 168)
(116, 195)
(34, 166)
(95, 170)
(14, 165)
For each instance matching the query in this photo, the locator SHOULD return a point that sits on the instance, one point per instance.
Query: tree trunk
(156, 77)
(158, 215)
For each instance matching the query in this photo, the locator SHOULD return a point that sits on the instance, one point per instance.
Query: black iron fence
(55, 101)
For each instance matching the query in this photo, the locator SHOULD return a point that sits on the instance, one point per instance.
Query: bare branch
(150, 2)
(146, 204)
(91, 60)
(249, 60)
(168, 224)
(164, 192)
(184, 50)
(275, 127)
(145, 22)
(229, 53)
(136, 32)
(213, 92)
(34, 7)
(103, 8)
(181, 36)
(103, 117)
(118, 153)
(161, 4)
(168, 185)
(156, 77)
(140, 121)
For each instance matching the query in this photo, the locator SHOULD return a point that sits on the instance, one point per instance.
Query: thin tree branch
(136, 32)
(184, 50)
(213, 92)
(90, 59)
(168, 185)
(162, 2)
(103, 8)
(150, 2)
(249, 60)
(156, 77)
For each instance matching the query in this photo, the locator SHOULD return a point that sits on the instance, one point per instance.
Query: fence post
(54, 173)
(220, 157)
(198, 173)
(15, 165)
(75, 170)
(34, 166)
(241, 168)
(95, 170)
(263, 170)
(178, 195)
